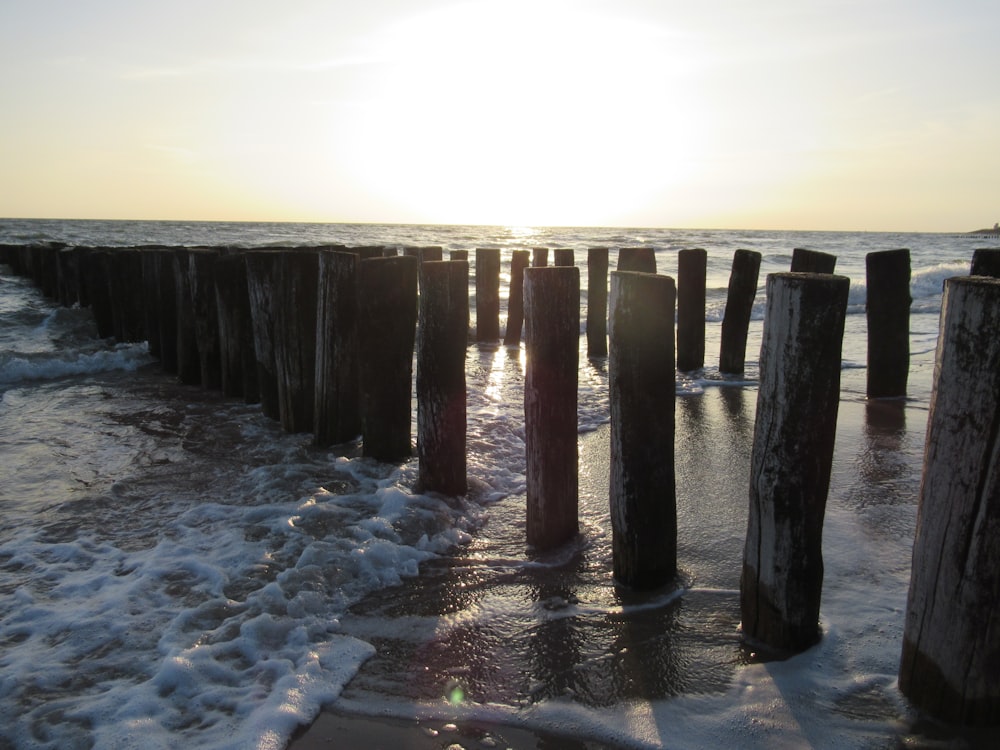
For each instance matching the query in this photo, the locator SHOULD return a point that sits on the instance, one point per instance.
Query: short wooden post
(986, 262)
(951, 635)
(563, 256)
(515, 298)
(552, 335)
(201, 276)
(791, 459)
(441, 397)
(188, 357)
(238, 361)
(887, 308)
(295, 337)
(812, 261)
(338, 380)
(692, 268)
(597, 302)
(388, 291)
(432, 252)
(151, 308)
(166, 299)
(487, 295)
(68, 272)
(539, 257)
(127, 298)
(637, 259)
(262, 275)
(97, 275)
(642, 376)
(739, 308)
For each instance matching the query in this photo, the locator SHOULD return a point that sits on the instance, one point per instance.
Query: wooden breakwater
(324, 339)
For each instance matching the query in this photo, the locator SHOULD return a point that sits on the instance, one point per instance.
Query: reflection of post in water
(885, 426)
(647, 660)
(555, 643)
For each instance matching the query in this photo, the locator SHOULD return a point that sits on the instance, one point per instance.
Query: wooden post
(338, 381)
(237, 357)
(166, 299)
(458, 254)
(563, 256)
(792, 455)
(812, 261)
(487, 295)
(951, 635)
(188, 357)
(552, 334)
(68, 271)
(887, 308)
(597, 302)
(261, 285)
(295, 337)
(441, 397)
(97, 275)
(637, 259)
(515, 298)
(739, 308)
(642, 377)
(986, 262)
(151, 292)
(388, 291)
(539, 257)
(125, 279)
(692, 265)
(201, 277)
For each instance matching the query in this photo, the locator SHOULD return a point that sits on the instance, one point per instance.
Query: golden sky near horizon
(777, 114)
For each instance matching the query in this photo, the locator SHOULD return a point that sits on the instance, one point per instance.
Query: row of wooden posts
(324, 338)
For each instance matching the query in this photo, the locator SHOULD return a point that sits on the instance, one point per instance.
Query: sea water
(176, 570)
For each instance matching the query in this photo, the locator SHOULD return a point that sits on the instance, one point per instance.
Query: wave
(18, 367)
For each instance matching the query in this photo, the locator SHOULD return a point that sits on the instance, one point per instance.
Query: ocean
(176, 570)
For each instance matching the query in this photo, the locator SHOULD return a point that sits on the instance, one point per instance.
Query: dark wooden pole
(692, 265)
(791, 459)
(812, 261)
(295, 337)
(151, 307)
(539, 257)
(487, 295)
(515, 299)
(642, 376)
(127, 298)
(441, 397)
(951, 636)
(201, 276)
(338, 378)
(563, 256)
(188, 357)
(597, 302)
(887, 308)
(166, 299)
(552, 334)
(458, 254)
(637, 259)
(97, 275)
(986, 262)
(262, 276)
(739, 308)
(388, 326)
(237, 358)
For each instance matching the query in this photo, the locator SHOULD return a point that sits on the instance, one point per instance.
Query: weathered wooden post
(563, 256)
(188, 357)
(951, 636)
(458, 254)
(97, 275)
(261, 288)
(539, 257)
(515, 298)
(237, 357)
(692, 268)
(201, 277)
(441, 397)
(388, 291)
(338, 380)
(487, 295)
(986, 262)
(151, 292)
(167, 302)
(739, 308)
(637, 259)
(792, 454)
(641, 377)
(887, 307)
(295, 337)
(127, 303)
(812, 261)
(597, 302)
(552, 336)
(68, 271)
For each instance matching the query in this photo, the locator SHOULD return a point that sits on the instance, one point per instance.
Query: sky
(878, 115)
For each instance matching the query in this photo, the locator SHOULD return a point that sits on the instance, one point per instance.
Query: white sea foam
(18, 367)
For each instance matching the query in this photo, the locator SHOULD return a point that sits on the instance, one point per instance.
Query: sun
(525, 113)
